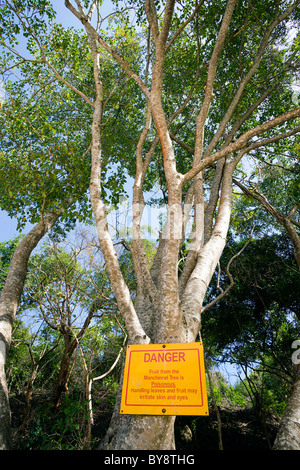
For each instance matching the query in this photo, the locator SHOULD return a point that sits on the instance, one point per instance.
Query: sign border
(164, 408)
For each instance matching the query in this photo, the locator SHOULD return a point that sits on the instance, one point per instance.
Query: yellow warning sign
(164, 379)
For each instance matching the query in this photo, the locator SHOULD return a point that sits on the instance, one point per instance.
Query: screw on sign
(164, 379)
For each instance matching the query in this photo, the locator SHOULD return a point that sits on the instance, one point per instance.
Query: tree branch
(248, 77)
(124, 65)
(151, 13)
(210, 79)
(281, 218)
(181, 28)
(240, 143)
(231, 280)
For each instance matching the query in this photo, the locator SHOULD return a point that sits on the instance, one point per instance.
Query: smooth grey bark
(288, 436)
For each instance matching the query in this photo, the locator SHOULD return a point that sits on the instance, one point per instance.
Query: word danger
(174, 356)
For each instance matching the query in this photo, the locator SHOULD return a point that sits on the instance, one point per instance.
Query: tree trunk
(157, 432)
(28, 397)
(9, 301)
(61, 385)
(5, 435)
(138, 432)
(288, 436)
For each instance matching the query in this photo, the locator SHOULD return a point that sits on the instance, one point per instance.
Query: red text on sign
(165, 357)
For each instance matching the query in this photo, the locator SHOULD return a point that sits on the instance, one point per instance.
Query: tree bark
(5, 422)
(138, 432)
(61, 385)
(288, 436)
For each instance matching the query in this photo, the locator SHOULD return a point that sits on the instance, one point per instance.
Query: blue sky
(8, 227)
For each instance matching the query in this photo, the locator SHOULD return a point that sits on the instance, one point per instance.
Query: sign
(164, 379)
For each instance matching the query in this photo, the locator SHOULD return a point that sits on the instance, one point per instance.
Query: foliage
(64, 432)
(44, 153)
(265, 291)
(226, 394)
(18, 364)
(255, 324)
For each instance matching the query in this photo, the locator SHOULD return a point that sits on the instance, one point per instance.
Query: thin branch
(227, 270)
(182, 144)
(271, 140)
(151, 13)
(182, 27)
(124, 65)
(262, 199)
(282, 219)
(100, 377)
(68, 84)
(250, 74)
(45, 60)
(210, 79)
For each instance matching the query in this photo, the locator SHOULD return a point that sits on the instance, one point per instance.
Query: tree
(62, 292)
(277, 175)
(33, 190)
(215, 79)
